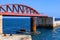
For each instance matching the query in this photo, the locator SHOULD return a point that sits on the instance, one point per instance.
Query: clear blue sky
(49, 7)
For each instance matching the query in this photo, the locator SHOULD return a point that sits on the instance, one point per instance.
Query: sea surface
(12, 25)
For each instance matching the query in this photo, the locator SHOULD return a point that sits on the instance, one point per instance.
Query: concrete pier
(0, 24)
(33, 24)
(56, 24)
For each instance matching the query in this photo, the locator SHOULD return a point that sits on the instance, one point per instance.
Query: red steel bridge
(21, 10)
(18, 10)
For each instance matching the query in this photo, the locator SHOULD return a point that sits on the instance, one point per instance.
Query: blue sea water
(57, 19)
(11, 25)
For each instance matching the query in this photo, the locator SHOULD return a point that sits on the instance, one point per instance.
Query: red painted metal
(18, 10)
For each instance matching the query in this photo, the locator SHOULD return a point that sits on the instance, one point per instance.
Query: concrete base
(15, 37)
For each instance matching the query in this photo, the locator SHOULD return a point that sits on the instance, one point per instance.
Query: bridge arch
(18, 9)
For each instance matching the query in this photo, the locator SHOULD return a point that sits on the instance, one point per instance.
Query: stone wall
(0, 23)
(45, 21)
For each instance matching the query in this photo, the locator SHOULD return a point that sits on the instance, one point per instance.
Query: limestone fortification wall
(0, 24)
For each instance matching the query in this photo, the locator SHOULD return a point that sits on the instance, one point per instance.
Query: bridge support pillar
(33, 24)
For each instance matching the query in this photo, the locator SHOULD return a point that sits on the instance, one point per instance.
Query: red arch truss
(18, 10)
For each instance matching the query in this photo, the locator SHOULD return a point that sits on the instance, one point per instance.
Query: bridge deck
(18, 14)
